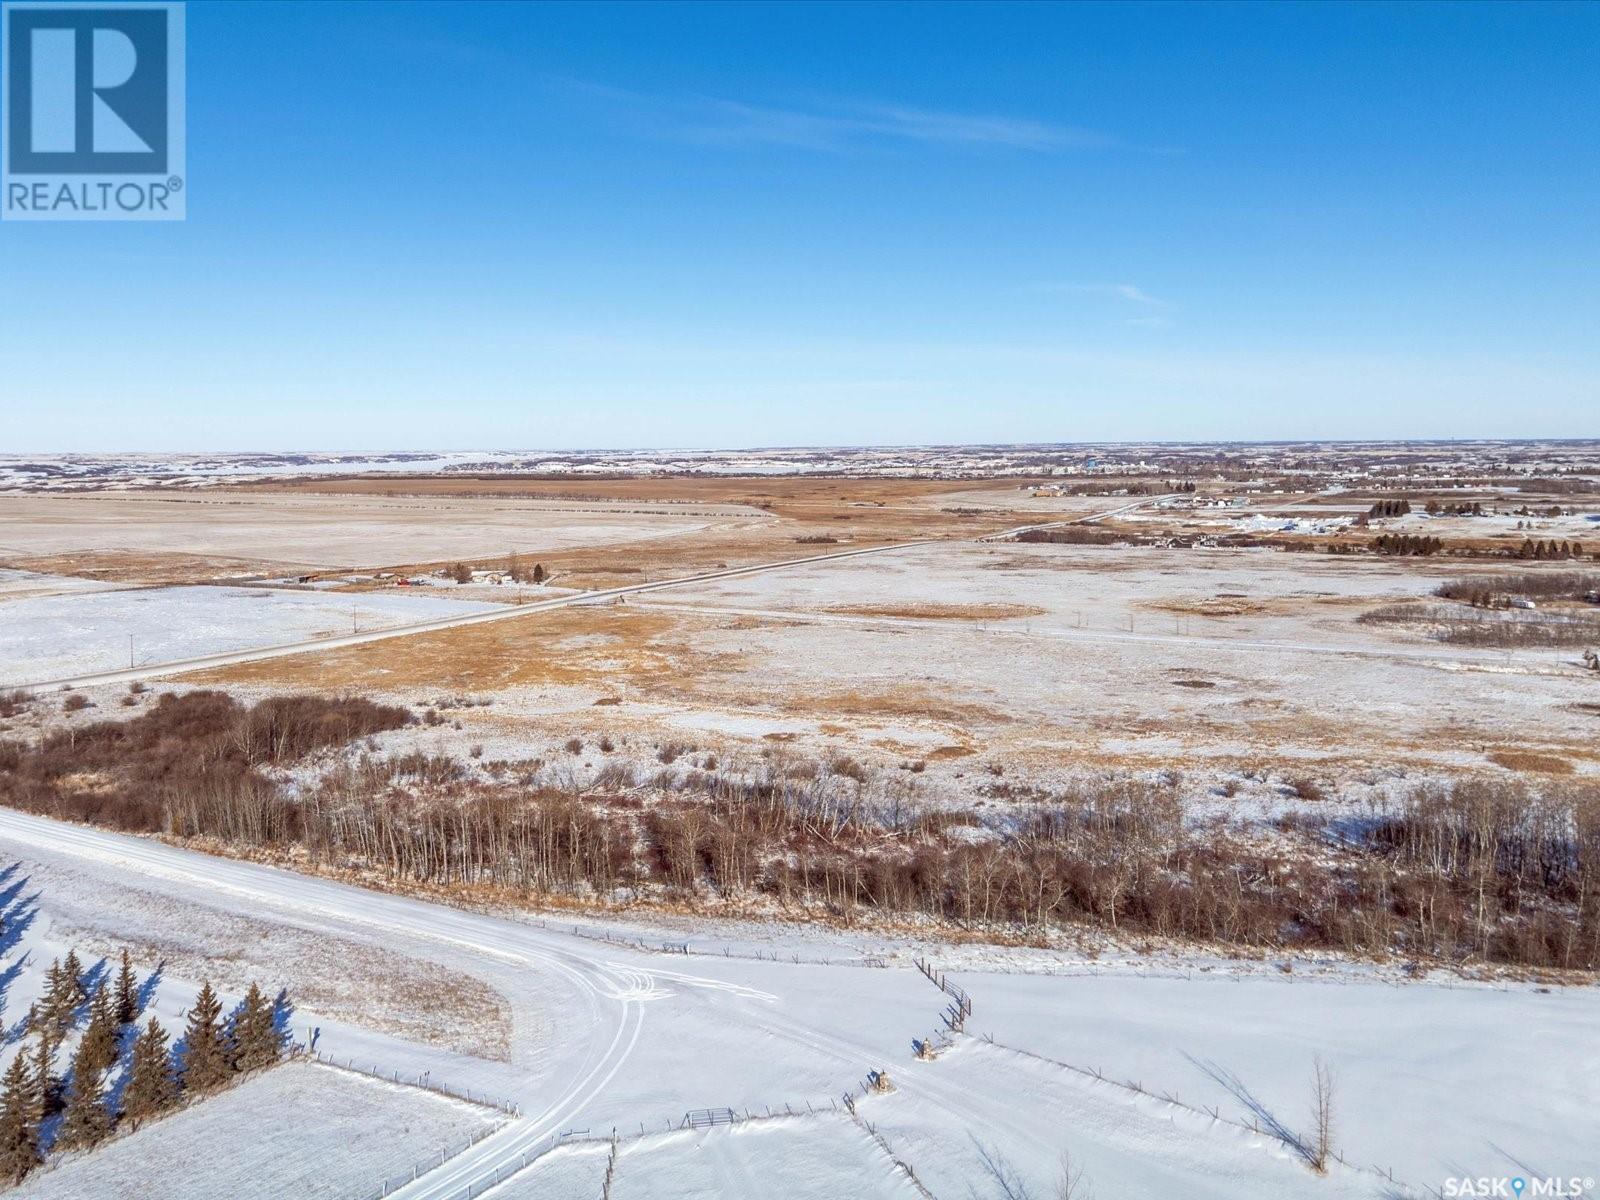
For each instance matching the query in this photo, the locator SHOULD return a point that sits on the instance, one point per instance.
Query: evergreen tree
(54, 1011)
(45, 1086)
(255, 1034)
(206, 1064)
(73, 969)
(127, 1006)
(19, 1127)
(87, 1122)
(101, 1039)
(152, 1089)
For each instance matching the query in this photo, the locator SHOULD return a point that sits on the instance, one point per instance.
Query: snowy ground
(15, 585)
(300, 1130)
(1237, 667)
(65, 635)
(1433, 1080)
(821, 1157)
(1446, 1058)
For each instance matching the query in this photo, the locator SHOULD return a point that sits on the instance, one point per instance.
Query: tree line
(1116, 852)
(1551, 550)
(43, 1111)
(1407, 544)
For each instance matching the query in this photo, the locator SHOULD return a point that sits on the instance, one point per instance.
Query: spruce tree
(73, 969)
(255, 1035)
(101, 1037)
(19, 1125)
(87, 1123)
(151, 1089)
(54, 1011)
(127, 1006)
(45, 1086)
(205, 1053)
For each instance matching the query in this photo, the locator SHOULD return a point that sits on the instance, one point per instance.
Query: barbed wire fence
(422, 1080)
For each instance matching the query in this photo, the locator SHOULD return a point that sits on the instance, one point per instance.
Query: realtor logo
(93, 127)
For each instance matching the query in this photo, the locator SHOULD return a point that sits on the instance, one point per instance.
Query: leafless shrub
(1544, 585)
(1070, 1181)
(1320, 1146)
(845, 766)
(613, 777)
(1075, 535)
(1305, 787)
(670, 752)
(1492, 627)
(574, 745)
(14, 701)
(429, 769)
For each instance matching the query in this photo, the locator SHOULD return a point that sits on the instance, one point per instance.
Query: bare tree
(1070, 1183)
(1321, 1142)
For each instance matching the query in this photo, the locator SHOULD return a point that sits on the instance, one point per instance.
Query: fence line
(1253, 1125)
(882, 1143)
(422, 1081)
(955, 1016)
(871, 961)
(394, 1182)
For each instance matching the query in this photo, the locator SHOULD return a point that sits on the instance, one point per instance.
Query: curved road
(612, 982)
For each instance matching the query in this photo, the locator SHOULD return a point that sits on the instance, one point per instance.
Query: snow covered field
(1043, 659)
(820, 1157)
(15, 585)
(61, 636)
(1433, 1079)
(299, 1130)
(1446, 1058)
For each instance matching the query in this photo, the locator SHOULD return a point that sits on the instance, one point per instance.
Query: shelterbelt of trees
(1479, 870)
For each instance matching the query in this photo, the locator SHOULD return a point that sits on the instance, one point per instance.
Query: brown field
(941, 612)
(592, 532)
(1117, 664)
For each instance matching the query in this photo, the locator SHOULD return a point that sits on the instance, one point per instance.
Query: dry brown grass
(776, 512)
(141, 567)
(941, 612)
(721, 489)
(618, 645)
(901, 702)
(1213, 606)
(1528, 760)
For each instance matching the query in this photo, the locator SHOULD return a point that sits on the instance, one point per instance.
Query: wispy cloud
(835, 126)
(1149, 312)
(1129, 292)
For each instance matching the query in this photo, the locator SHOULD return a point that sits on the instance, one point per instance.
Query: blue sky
(444, 226)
